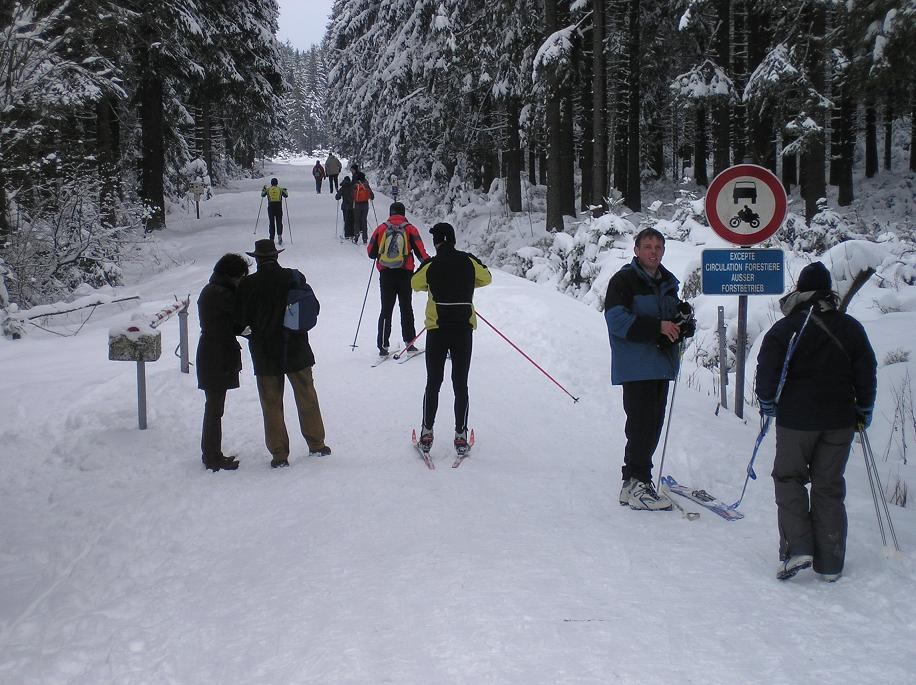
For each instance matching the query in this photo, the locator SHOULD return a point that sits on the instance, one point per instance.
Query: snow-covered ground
(123, 561)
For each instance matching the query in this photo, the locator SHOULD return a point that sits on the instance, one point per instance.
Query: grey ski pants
(818, 526)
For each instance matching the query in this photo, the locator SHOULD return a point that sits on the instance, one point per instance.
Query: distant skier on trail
(362, 196)
(345, 195)
(828, 390)
(332, 168)
(275, 194)
(393, 245)
(640, 308)
(450, 279)
(219, 356)
(319, 174)
(277, 351)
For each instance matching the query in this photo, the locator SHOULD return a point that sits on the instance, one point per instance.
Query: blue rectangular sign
(743, 272)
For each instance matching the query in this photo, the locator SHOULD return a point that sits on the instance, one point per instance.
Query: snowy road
(123, 561)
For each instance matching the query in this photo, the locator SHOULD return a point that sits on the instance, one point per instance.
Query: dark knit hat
(264, 248)
(397, 208)
(443, 232)
(815, 276)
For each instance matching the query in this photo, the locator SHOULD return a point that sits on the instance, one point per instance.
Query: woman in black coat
(219, 357)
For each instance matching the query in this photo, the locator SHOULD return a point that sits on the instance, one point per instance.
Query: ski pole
(400, 354)
(365, 297)
(661, 465)
(336, 217)
(765, 423)
(372, 202)
(877, 489)
(289, 223)
(517, 349)
(259, 217)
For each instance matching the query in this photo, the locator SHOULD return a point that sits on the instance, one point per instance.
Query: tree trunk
(152, 170)
(871, 141)
(633, 198)
(107, 136)
(599, 111)
(532, 166)
(206, 142)
(847, 147)
(585, 119)
(657, 145)
(568, 156)
(761, 139)
(513, 159)
(743, 33)
(620, 96)
(542, 168)
(789, 168)
(699, 148)
(815, 185)
(913, 135)
(721, 112)
(554, 132)
(888, 135)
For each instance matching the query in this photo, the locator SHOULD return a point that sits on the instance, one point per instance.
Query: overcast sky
(302, 22)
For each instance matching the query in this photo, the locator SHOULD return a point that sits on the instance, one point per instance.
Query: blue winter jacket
(634, 307)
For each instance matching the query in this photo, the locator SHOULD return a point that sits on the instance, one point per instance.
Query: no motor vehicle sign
(746, 204)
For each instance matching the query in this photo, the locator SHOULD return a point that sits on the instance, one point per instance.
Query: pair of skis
(430, 464)
(703, 498)
(401, 357)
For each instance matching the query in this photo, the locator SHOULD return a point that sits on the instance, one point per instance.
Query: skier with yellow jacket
(450, 278)
(275, 194)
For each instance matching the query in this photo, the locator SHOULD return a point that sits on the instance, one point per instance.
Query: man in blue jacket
(640, 308)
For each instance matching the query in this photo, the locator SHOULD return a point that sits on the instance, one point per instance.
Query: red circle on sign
(761, 174)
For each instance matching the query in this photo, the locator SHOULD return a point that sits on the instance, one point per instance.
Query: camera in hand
(688, 325)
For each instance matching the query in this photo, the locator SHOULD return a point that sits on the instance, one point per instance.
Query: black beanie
(443, 232)
(813, 277)
(397, 208)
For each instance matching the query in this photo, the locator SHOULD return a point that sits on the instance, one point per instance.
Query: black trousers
(347, 220)
(318, 184)
(211, 434)
(817, 527)
(644, 403)
(394, 285)
(333, 186)
(458, 341)
(275, 218)
(361, 220)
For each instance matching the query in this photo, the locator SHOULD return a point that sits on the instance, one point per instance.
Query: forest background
(563, 110)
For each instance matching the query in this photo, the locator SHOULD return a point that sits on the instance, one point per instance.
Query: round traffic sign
(746, 204)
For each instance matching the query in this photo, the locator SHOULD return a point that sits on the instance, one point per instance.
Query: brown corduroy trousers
(270, 391)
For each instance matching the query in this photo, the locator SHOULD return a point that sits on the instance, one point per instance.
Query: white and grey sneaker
(643, 496)
(795, 563)
(625, 491)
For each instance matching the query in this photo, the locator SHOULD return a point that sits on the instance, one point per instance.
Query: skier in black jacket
(450, 278)
(829, 390)
(345, 195)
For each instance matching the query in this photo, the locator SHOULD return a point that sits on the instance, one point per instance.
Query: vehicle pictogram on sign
(745, 204)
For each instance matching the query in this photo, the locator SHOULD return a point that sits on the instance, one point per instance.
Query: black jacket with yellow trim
(450, 278)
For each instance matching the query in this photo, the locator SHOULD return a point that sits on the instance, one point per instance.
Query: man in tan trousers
(276, 352)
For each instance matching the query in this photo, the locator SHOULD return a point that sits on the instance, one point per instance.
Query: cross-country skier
(450, 278)
(393, 245)
(275, 194)
(829, 390)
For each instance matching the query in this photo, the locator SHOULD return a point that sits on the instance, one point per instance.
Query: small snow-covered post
(723, 360)
(740, 356)
(138, 342)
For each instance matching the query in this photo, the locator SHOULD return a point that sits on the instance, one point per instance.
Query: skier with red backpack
(392, 246)
(362, 196)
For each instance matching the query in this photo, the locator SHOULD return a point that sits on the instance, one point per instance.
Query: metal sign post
(196, 188)
(745, 204)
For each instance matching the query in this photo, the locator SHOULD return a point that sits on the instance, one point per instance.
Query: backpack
(394, 247)
(361, 192)
(302, 306)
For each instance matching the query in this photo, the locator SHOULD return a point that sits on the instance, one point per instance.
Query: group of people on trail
(331, 170)
(816, 371)
(816, 376)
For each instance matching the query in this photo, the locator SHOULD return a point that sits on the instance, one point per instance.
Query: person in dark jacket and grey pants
(276, 352)
(219, 357)
(829, 391)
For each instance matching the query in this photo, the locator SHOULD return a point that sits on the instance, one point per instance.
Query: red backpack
(361, 192)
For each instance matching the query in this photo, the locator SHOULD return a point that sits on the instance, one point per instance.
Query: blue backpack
(301, 305)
